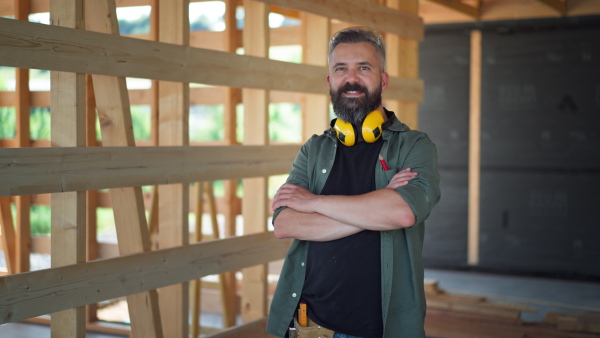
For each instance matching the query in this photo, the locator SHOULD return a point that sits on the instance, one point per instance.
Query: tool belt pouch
(312, 331)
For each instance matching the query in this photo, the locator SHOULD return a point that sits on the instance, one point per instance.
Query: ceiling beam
(459, 6)
(557, 5)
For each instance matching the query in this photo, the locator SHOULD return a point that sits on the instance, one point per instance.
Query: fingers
(401, 178)
(284, 195)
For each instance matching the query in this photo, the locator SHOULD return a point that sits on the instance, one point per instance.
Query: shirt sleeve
(423, 192)
(299, 173)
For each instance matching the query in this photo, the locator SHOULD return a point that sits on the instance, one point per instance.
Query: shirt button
(302, 263)
(294, 295)
(324, 171)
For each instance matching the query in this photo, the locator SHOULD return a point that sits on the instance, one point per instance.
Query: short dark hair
(356, 35)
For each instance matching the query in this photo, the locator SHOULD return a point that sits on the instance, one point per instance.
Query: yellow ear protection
(371, 129)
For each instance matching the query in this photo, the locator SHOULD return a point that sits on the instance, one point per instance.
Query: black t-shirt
(343, 279)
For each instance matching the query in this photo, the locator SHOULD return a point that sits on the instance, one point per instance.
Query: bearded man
(355, 202)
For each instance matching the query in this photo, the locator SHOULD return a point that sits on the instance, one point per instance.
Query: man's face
(355, 81)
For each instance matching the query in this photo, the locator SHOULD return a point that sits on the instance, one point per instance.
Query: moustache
(353, 87)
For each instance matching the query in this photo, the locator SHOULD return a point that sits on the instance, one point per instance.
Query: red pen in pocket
(383, 164)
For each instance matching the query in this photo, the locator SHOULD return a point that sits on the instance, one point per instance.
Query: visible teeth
(352, 92)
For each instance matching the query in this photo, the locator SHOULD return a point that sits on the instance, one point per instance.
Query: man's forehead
(359, 52)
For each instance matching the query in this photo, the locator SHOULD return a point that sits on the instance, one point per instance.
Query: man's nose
(352, 76)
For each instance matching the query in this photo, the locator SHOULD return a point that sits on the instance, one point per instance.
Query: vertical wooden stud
(8, 234)
(67, 100)
(474, 149)
(154, 29)
(232, 99)
(112, 100)
(403, 60)
(196, 284)
(256, 118)
(316, 32)
(22, 111)
(92, 196)
(173, 229)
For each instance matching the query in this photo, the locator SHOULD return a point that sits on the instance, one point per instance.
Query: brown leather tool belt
(312, 330)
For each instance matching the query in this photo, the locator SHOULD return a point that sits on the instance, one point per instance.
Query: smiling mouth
(353, 93)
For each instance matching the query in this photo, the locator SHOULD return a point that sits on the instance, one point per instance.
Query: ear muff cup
(345, 131)
(370, 129)
(371, 126)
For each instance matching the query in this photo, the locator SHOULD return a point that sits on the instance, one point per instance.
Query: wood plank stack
(459, 316)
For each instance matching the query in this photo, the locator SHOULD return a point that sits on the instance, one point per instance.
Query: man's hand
(295, 197)
(401, 178)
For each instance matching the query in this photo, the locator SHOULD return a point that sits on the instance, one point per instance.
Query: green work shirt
(402, 293)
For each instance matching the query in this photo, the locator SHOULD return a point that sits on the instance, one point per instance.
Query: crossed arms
(325, 218)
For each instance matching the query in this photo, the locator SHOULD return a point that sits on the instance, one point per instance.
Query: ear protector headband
(370, 129)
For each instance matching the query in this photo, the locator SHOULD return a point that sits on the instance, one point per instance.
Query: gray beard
(354, 110)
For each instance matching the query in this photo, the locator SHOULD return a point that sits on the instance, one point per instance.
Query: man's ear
(385, 79)
(329, 83)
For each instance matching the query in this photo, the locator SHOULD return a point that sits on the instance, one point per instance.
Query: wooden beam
(558, 5)
(22, 110)
(121, 56)
(403, 60)
(233, 97)
(40, 292)
(173, 126)
(30, 45)
(68, 130)
(474, 149)
(31, 171)
(113, 108)
(256, 132)
(316, 31)
(360, 12)
(8, 234)
(460, 6)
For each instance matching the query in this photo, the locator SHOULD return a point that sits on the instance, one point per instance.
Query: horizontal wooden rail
(361, 12)
(198, 96)
(37, 46)
(32, 294)
(29, 171)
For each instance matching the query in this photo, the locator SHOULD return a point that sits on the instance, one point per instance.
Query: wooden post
(22, 111)
(154, 106)
(173, 229)
(316, 33)
(92, 195)
(256, 119)
(8, 234)
(232, 99)
(474, 149)
(67, 104)
(403, 60)
(196, 284)
(112, 100)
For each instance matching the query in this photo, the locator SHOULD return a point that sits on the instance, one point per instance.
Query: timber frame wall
(89, 62)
